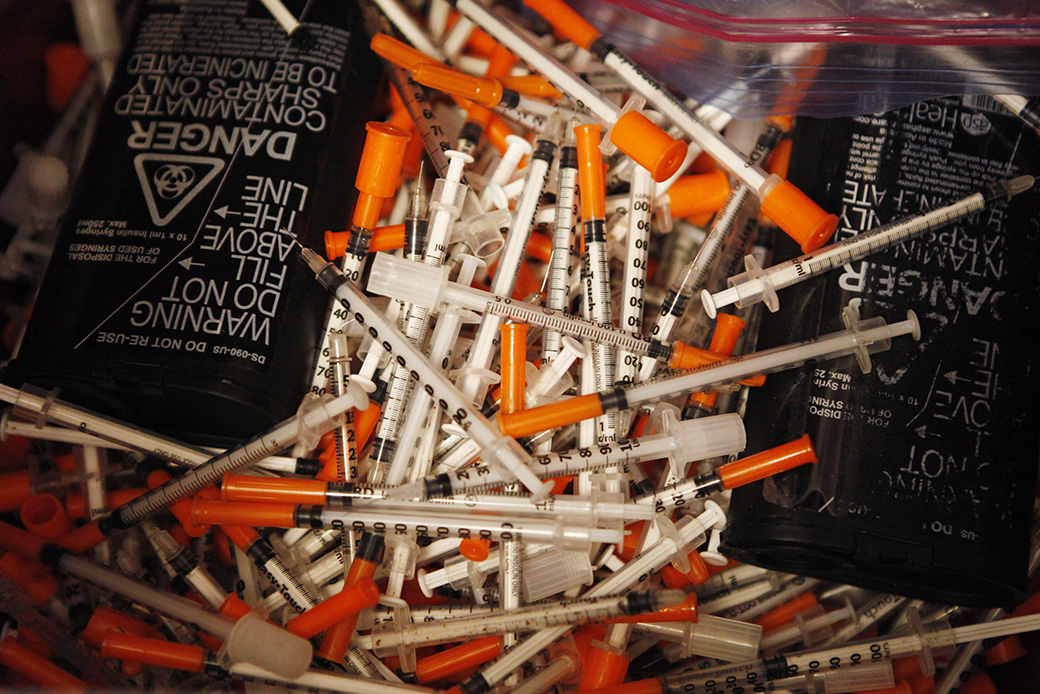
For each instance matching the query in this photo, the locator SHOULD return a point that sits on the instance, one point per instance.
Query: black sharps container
(175, 298)
(928, 463)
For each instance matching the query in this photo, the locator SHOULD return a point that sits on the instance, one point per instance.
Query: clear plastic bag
(827, 57)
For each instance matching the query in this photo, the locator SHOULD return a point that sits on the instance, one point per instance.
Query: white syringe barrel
(757, 284)
(39, 406)
(563, 532)
(830, 346)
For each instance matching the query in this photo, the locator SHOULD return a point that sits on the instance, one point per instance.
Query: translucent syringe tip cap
(483, 234)
(708, 437)
(552, 131)
(1008, 188)
(338, 349)
(569, 139)
(1019, 184)
(669, 597)
(404, 556)
(866, 677)
(725, 639)
(256, 641)
(405, 280)
(553, 572)
(469, 264)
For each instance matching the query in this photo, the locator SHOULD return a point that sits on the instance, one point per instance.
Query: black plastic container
(928, 463)
(174, 298)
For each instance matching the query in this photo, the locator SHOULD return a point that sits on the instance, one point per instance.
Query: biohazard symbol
(171, 181)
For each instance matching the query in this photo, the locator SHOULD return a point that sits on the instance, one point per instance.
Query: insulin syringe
(415, 283)
(708, 437)
(758, 284)
(732, 677)
(860, 338)
(385, 641)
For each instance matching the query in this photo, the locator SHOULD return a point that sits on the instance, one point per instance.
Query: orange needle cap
(487, 92)
(652, 148)
(398, 52)
(769, 462)
(798, 216)
(568, 23)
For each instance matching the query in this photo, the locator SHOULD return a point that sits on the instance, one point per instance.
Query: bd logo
(975, 123)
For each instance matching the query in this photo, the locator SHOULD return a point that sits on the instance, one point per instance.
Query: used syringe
(861, 338)
(1026, 109)
(385, 640)
(731, 475)
(120, 435)
(699, 438)
(270, 490)
(758, 284)
(418, 284)
(190, 658)
(758, 672)
(429, 521)
(40, 406)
